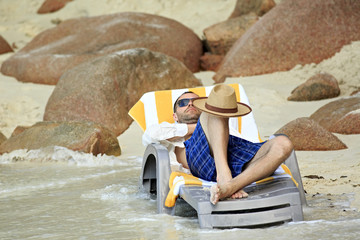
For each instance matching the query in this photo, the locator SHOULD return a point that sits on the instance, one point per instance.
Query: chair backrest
(156, 107)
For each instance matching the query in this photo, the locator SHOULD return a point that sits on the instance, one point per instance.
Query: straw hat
(222, 102)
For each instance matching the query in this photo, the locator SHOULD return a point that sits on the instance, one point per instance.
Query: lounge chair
(273, 200)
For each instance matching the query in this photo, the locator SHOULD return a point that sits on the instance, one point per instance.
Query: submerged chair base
(269, 203)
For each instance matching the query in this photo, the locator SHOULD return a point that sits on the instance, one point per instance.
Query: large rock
(306, 134)
(2, 138)
(4, 46)
(332, 112)
(221, 36)
(259, 7)
(210, 62)
(56, 50)
(317, 87)
(355, 92)
(18, 130)
(78, 136)
(104, 90)
(50, 6)
(293, 32)
(348, 124)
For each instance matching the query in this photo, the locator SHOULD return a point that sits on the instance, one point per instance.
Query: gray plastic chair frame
(275, 202)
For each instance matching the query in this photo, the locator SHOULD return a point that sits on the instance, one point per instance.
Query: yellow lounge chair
(273, 200)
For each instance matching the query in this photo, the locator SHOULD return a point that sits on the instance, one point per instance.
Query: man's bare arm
(181, 156)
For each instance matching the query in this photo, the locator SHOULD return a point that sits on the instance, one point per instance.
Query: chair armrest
(155, 174)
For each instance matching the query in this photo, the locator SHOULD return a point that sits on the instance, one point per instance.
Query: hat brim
(242, 109)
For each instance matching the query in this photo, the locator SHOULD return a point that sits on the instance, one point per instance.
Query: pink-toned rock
(259, 7)
(293, 32)
(2, 138)
(85, 137)
(56, 50)
(50, 6)
(332, 112)
(348, 124)
(18, 130)
(221, 36)
(355, 92)
(210, 62)
(4, 46)
(306, 134)
(103, 90)
(317, 87)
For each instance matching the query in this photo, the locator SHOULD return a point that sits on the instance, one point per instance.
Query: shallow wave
(31, 187)
(56, 154)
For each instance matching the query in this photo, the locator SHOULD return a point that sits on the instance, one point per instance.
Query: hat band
(220, 110)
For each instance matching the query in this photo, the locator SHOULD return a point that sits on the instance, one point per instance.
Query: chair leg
(155, 175)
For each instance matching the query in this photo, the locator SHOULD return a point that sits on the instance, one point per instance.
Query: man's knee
(284, 143)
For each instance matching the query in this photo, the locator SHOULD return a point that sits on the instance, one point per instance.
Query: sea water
(55, 193)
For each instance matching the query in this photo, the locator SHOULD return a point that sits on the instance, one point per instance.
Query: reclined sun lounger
(273, 200)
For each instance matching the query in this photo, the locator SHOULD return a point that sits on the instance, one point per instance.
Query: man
(203, 143)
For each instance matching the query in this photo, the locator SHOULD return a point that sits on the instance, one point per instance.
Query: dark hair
(175, 104)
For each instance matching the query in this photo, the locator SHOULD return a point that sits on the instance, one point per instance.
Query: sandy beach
(24, 103)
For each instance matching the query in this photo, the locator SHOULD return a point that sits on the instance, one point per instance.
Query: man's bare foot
(222, 189)
(214, 194)
(239, 194)
(217, 193)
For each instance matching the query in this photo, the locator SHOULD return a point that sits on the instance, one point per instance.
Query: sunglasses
(184, 102)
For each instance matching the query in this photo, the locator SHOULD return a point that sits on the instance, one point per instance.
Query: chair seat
(272, 202)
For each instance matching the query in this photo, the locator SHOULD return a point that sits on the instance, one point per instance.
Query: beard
(189, 119)
(189, 116)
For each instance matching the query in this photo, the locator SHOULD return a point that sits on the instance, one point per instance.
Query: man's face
(188, 113)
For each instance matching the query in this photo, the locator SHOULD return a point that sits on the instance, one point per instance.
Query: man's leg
(217, 133)
(265, 162)
(216, 130)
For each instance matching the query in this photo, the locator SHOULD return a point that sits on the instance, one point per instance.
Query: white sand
(24, 103)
